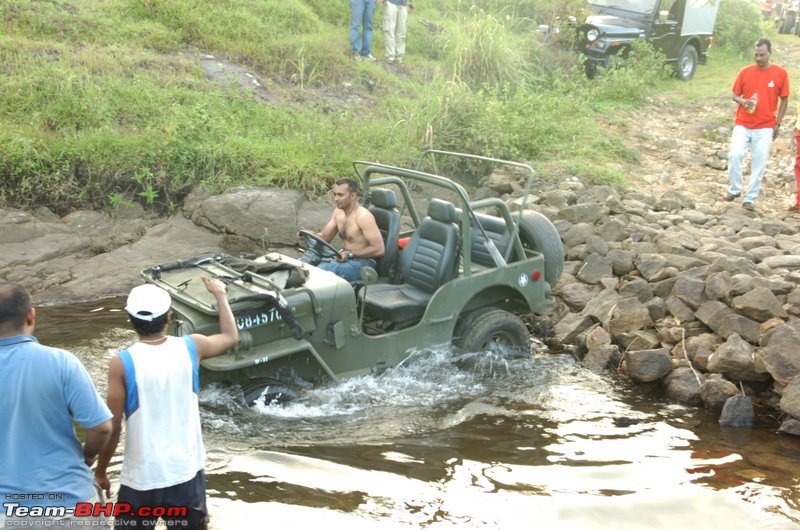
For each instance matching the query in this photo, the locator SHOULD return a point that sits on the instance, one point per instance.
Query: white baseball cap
(148, 302)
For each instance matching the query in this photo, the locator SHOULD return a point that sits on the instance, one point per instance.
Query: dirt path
(684, 147)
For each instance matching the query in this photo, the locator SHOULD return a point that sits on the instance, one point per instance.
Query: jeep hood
(614, 26)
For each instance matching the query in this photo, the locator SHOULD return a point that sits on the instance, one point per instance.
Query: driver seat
(383, 207)
(428, 261)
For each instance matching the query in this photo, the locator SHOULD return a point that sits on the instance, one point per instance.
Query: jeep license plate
(257, 319)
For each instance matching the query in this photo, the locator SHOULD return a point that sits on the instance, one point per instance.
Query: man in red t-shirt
(759, 90)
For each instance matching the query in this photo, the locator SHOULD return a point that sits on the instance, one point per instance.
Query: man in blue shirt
(42, 462)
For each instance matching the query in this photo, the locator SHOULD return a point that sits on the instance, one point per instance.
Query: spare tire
(536, 232)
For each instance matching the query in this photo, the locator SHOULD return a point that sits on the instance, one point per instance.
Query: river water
(526, 443)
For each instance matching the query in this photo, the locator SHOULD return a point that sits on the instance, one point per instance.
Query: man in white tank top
(154, 383)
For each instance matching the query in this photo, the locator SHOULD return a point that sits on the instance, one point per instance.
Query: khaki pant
(395, 19)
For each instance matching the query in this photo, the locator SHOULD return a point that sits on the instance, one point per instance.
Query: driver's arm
(330, 230)
(375, 247)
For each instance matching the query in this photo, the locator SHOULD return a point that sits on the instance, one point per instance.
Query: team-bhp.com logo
(17, 515)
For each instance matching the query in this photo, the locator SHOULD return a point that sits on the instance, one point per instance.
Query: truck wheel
(536, 232)
(265, 390)
(492, 330)
(591, 69)
(687, 63)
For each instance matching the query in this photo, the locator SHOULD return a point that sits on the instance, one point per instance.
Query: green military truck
(459, 274)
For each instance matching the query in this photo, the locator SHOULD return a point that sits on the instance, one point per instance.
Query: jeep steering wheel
(318, 246)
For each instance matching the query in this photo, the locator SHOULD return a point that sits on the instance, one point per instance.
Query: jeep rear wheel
(492, 330)
(536, 232)
(687, 63)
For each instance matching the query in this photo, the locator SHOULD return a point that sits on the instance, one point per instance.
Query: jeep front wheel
(492, 330)
(687, 63)
(267, 391)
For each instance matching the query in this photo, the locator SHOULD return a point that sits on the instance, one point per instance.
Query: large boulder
(735, 360)
(781, 357)
(646, 366)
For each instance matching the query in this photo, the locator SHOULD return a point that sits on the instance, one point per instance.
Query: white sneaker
(370, 58)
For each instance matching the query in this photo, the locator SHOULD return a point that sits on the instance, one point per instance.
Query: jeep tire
(492, 329)
(536, 232)
(687, 63)
(266, 390)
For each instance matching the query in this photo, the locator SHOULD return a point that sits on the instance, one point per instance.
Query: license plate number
(257, 319)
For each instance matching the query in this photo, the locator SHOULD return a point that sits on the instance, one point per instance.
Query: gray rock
(718, 285)
(598, 358)
(568, 328)
(689, 290)
(577, 234)
(737, 412)
(682, 385)
(621, 261)
(724, 322)
(657, 308)
(636, 287)
(581, 213)
(790, 426)
(594, 268)
(577, 295)
(679, 309)
(629, 314)
(650, 265)
(638, 340)
(646, 366)
(790, 400)
(614, 230)
(783, 262)
(246, 212)
(735, 360)
(758, 304)
(749, 243)
(781, 357)
(715, 391)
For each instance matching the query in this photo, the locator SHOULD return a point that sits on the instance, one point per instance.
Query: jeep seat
(496, 230)
(383, 208)
(429, 260)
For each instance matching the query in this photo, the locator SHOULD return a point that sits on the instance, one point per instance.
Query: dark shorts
(190, 494)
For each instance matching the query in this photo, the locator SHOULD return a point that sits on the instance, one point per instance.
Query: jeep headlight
(592, 35)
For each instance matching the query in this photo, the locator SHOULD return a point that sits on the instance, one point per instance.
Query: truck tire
(492, 330)
(687, 63)
(266, 390)
(591, 69)
(536, 232)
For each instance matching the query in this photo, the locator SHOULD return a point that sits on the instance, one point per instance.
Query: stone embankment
(703, 299)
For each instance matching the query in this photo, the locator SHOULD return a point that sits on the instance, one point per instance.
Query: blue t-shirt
(43, 390)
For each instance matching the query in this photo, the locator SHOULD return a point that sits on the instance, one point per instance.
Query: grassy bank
(104, 101)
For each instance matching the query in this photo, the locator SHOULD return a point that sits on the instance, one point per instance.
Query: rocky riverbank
(664, 281)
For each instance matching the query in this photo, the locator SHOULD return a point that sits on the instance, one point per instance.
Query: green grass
(105, 101)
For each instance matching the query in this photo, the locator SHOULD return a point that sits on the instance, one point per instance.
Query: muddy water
(531, 443)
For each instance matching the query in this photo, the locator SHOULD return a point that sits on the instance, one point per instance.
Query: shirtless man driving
(356, 227)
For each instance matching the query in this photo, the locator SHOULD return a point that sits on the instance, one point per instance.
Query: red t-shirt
(770, 84)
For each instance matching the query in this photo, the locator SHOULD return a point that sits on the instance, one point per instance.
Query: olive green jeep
(455, 276)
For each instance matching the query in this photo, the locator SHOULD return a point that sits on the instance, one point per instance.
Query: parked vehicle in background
(787, 17)
(681, 29)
